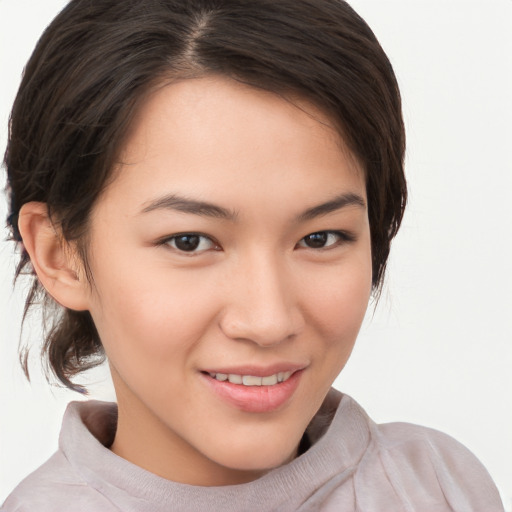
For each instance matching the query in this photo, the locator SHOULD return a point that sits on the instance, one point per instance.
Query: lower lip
(255, 398)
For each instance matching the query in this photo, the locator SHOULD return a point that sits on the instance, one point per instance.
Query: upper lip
(257, 371)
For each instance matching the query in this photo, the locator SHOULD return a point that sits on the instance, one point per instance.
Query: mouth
(265, 392)
(252, 380)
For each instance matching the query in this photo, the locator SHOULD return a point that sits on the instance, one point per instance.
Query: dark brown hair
(98, 58)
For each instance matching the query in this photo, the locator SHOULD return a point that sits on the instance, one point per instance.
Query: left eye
(190, 242)
(321, 239)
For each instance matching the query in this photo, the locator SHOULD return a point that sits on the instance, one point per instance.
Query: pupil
(316, 240)
(187, 242)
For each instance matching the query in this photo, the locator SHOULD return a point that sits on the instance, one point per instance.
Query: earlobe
(54, 260)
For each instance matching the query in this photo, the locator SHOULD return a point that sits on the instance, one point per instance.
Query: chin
(260, 458)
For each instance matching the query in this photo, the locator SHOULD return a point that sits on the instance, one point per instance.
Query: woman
(209, 190)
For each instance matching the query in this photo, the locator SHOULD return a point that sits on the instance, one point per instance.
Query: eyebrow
(186, 205)
(206, 209)
(339, 202)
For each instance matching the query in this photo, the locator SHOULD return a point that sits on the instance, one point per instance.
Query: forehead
(225, 137)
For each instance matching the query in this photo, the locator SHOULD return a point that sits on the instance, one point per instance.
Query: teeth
(235, 379)
(282, 376)
(269, 381)
(251, 380)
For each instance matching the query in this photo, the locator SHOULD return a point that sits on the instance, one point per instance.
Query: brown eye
(324, 239)
(190, 242)
(316, 240)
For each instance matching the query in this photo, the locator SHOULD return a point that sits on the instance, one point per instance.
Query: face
(232, 269)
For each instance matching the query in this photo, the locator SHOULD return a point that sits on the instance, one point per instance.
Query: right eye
(191, 243)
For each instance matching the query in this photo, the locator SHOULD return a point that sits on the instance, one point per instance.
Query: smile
(252, 380)
(263, 393)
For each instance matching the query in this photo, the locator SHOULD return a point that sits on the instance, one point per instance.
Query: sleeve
(55, 487)
(424, 470)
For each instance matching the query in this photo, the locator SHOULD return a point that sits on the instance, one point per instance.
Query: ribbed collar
(89, 427)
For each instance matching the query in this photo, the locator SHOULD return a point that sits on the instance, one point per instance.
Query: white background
(438, 349)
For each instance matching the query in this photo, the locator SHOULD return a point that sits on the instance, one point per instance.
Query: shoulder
(53, 487)
(61, 484)
(424, 465)
(421, 445)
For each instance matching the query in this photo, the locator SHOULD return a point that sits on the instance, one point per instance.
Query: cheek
(340, 300)
(155, 313)
(339, 312)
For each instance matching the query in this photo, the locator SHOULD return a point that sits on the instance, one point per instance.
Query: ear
(54, 260)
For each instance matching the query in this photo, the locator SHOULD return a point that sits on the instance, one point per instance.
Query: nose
(261, 303)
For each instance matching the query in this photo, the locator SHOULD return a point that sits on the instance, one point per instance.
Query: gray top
(352, 465)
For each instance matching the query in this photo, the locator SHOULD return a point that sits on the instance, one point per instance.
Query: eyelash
(342, 238)
(172, 239)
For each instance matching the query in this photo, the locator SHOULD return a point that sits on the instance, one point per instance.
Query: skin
(254, 293)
